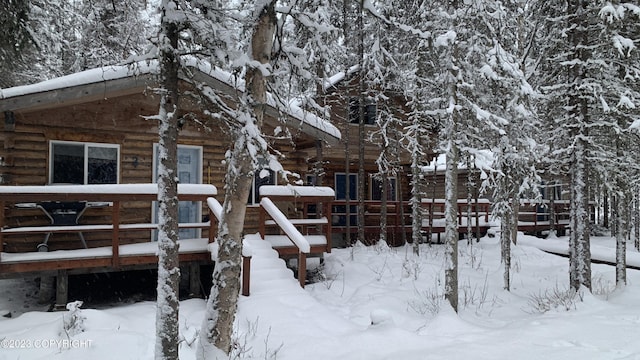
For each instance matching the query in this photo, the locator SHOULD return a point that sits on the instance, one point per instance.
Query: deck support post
(302, 268)
(115, 235)
(45, 294)
(62, 290)
(2, 226)
(194, 280)
(246, 275)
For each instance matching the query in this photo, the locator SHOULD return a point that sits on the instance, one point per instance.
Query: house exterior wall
(25, 158)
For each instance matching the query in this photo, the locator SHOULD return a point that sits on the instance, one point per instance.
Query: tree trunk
(451, 177)
(383, 207)
(552, 210)
(506, 225)
(621, 240)
(416, 202)
(636, 219)
(434, 185)
(580, 252)
(514, 217)
(168, 266)
(469, 204)
(361, 127)
(217, 328)
(451, 223)
(605, 208)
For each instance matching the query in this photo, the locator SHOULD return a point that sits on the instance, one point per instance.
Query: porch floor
(86, 260)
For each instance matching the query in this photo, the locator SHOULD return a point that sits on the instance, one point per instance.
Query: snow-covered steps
(268, 271)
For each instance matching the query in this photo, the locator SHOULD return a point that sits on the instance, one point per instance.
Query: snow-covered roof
(91, 76)
(336, 78)
(308, 122)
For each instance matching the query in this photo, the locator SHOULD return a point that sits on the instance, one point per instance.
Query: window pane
(102, 165)
(376, 189)
(267, 180)
(370, 114)
(340, 186)
(68, 164)
(354, 110)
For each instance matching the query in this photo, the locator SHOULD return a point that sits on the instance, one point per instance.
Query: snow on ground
(369, 303)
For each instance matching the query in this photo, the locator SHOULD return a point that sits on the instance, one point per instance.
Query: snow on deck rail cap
(185, 189)
(295, 190)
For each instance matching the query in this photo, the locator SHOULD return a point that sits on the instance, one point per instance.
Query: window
(261, 177)
(189, 172)
(341, 188)
(340, 211)
(548, 189)
(354, 111)
(376, 188)
(83, 163)
(311, 180)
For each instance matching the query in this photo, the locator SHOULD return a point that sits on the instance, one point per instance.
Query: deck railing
(533, 217)
(113, 194)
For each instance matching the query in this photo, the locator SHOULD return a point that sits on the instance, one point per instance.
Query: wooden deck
(97, 259)
(533, 218)
(123, 253)
(303, 231)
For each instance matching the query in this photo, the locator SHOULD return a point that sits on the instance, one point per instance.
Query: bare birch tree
(215, 336)
(168, 266)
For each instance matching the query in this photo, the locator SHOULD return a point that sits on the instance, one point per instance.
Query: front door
(189, 172)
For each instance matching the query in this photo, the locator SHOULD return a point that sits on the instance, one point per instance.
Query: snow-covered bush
(556, 298)
(73, 322)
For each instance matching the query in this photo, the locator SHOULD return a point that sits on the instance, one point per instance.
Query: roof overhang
(114, 81)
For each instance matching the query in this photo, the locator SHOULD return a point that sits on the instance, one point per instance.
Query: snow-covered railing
(110, 194)
(215, 208)
(296, 237)
(310, 207)
(289, 229)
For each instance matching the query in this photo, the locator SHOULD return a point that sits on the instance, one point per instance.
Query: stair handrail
(215, 207)
(289, 229)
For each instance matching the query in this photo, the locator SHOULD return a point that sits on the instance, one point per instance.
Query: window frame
(353, 196)
(254, 194)
(85, 170)
(199, 179)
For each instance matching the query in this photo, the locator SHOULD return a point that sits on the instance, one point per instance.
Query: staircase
(269, 273)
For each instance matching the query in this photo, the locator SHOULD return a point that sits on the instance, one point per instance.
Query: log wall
(24, 159)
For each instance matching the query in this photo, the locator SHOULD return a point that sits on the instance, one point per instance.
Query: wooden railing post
(246, 275)
(115, 235)
(213, 225)
(535, 218)
(3, 213)
(302, 268)
(486, 212)
(328, 230)
(262, 218)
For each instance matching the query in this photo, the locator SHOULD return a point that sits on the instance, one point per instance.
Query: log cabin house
(92, 127)
(341, 93)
